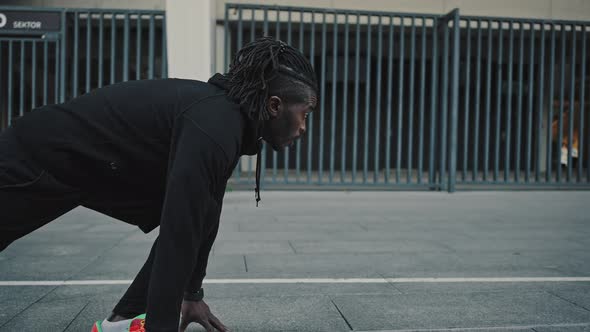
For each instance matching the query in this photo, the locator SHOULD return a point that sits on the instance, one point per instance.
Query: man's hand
(198, 312)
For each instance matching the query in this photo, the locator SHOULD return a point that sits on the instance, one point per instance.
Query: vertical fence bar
(289, 27)
(389, 101)
(422, 101)
(60, 62)
(264, 147)
(22, 79)
(252, 38)
(433, 102)
(587, 150)
(226, 32)
(400, 101)
(571, 110)
(265, 24)
(278, 24)
(509, 102)
(59, 66)
(164, 49)
(444, 104)
(275, 153)
(367, 102)
(88, 48)
(322, 100)
(126, 29)
(467, 95)
(530, 103)
(454, 114)
(151, 46)
(378, 106)
(486, 153)
(33, 74)
(334, 94)
(310, 119)
(561, 99)
(288, 149)
(9, 85)
(356, 96)
(582, 96)
(253, 25)
(549, 175)
(75, 62)
(226, 55)
(519, 107)
(239, 43)
(138, 49)
(541, 95)
(411, 105)
(301, 48)
(475, 174)
(2, 124)
(498, 101)
(344, 101)
(100, 48)
(45, 70)
(2, 98)
(113, 46)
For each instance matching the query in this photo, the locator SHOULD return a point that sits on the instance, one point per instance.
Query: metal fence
(524, 107)
(372, 66)
(428, 101)
(89, 49)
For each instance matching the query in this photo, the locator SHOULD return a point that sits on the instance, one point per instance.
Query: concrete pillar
(190, 33)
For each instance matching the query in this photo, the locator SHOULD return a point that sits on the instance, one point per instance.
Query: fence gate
(524, 109)
(386, 109)
(50, 55)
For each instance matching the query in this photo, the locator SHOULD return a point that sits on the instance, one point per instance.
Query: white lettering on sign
(2, 20)
(26, 25)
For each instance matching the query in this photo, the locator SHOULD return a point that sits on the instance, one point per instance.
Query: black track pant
(30, 198)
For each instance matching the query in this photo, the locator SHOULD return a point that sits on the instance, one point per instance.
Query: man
(155, 153)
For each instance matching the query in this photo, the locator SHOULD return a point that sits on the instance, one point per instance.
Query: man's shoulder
(221, 119)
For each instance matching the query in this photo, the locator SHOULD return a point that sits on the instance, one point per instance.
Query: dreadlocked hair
(260, 62)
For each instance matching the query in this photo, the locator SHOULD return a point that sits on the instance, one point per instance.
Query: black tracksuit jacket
(174, 141)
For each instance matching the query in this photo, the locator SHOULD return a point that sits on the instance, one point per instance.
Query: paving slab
(46, 316)
(15, 299)
(285, 313)
(467, 310)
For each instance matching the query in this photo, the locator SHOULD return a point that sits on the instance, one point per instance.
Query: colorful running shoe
(136, 324)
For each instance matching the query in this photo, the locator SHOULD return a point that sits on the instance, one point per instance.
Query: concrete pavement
(379, 236)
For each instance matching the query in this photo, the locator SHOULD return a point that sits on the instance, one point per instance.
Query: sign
(29, 21)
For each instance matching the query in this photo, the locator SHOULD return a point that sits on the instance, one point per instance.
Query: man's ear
(275, 106)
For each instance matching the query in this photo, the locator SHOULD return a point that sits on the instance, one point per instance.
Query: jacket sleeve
(196, 168)
(213, 215)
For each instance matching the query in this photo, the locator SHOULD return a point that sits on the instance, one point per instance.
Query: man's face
(287, 123)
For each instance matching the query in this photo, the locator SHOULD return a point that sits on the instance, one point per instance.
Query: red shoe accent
(137, 325)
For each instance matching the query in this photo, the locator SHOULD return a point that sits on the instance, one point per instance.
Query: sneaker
(136, 324)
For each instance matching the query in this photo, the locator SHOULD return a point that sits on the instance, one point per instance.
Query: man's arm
(196, 167)
(196, 281)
